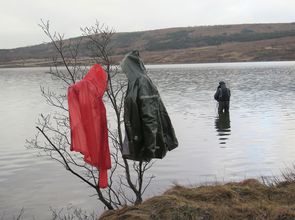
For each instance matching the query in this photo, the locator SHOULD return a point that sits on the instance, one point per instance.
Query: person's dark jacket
(149, 131)
(222, 93)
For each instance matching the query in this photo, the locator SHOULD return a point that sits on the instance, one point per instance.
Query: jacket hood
(133, 66)
(222, 84)
(98, 77)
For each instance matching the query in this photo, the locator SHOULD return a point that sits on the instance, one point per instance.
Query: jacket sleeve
(148, 99)
(216, 95)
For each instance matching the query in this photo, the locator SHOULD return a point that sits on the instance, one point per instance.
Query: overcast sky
(19, 19)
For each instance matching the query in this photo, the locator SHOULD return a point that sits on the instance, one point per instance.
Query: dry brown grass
(248, 199)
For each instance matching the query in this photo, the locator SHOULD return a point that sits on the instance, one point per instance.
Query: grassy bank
(249, 199)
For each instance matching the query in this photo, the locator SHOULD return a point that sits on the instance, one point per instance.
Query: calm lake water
(256, 139)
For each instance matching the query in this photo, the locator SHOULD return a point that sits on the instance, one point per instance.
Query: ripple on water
(258, 138)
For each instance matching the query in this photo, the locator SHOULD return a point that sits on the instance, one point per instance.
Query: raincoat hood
(222, 84)
(98, 78)
(133, 66)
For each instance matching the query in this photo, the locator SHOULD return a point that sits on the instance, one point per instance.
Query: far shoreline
(48, 65)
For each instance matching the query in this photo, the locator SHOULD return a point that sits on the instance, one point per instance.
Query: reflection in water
(222, 125)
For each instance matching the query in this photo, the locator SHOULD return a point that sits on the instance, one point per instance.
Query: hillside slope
(223, 43)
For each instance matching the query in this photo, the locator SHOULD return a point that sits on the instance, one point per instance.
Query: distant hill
(221, 43)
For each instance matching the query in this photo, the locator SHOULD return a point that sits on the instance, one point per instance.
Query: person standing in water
(222, 96)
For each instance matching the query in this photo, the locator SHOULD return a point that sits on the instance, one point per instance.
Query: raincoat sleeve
(217, 93)
(148, 105)
(78, 135)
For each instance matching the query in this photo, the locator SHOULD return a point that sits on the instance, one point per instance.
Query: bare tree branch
(55, 128)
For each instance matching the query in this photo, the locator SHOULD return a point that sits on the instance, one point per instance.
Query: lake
(256, 139)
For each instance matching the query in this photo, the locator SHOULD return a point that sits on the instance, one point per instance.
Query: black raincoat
(149, 132)
(222, 95)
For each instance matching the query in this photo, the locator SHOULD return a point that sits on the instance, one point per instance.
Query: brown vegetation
(264, 50)
(222, 43)
(248, 199)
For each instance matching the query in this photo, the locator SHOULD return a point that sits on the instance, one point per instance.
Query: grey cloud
(19, 19)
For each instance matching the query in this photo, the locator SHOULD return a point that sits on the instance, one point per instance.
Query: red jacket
(89, 134)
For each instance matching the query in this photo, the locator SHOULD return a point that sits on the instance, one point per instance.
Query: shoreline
(42, 63)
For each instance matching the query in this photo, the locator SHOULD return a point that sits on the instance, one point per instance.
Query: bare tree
(53, 130)
(71, 213)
